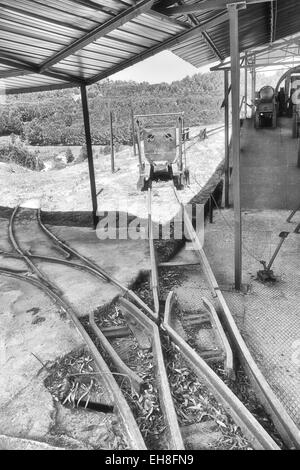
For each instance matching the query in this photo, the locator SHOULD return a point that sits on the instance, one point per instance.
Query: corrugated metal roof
(47, 43)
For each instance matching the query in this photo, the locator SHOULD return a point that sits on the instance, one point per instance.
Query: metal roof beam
(212, 45)
(206, 37)
(17, 64)
(95, 6)
(168, 19)
(168, 44)
(263, 65)
(207, 5)
(35, 89)
(23, 66)
(13, 73)
(109, 26)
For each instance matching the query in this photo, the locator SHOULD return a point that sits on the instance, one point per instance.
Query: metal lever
(267, 274)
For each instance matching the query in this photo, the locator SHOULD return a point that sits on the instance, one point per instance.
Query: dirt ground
(68, 189)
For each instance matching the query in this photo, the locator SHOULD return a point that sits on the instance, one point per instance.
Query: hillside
(54, 118)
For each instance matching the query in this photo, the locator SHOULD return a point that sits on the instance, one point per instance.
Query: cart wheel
(147, 184)
(186, 177)
(141, 183)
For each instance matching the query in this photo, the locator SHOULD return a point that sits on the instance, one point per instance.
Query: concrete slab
(35, 334)
(270, 178)
(30, 324)
(123, 259)
(269, 316)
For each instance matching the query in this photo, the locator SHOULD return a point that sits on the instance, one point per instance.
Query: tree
(69, 155)
(82, 154)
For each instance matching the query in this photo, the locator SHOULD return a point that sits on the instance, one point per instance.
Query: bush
(82, 154)
(69, 155)
(19, 154)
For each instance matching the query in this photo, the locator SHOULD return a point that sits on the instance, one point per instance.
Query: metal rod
(289, 219)
(112, 147)
(88, 140)
(253, 85)
(158, 114)
(283, 236)
(226, 111)
(235, 83)
(246, 86)
(210, 210)
(133, 133)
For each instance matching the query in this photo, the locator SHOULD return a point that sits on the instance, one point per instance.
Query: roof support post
(133, 133)
(226, 112)
(235, 93)
(112, 145)
(253, 81)
(88, 140)
(246, 85)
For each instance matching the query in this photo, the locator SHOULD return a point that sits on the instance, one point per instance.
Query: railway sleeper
(253, 431)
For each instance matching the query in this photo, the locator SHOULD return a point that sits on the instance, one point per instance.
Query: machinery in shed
(295, 104)
(266, 108)
(160, 140)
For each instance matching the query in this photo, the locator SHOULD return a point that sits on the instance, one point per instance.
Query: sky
(163, 67)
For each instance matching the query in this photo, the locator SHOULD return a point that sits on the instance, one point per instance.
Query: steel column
(235, 91)
(253, 85)
(112, 148)
(88, 140)
(133, 133)
(246, 85)
(226, 110)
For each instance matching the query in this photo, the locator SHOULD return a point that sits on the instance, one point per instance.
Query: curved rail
(16, 246)
(228, 363)
(135, 380)
(255, 433)
(154, 272)
(95, 267)
(166, 401)
(121, 404)
(285, 425)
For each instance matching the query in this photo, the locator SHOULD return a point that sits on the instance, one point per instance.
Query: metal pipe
(226, 111)
(88, 140)
(253, 82)
(112, 148)
(158, 114)
(133, 133)
(235, 83)
(246, 85)
(283, 236)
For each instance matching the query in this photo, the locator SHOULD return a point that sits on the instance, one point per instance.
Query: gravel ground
(68, 189)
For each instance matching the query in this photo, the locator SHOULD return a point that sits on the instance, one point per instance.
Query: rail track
(285, 426)
(147, 330)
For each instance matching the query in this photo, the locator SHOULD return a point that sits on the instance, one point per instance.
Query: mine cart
(161, 151)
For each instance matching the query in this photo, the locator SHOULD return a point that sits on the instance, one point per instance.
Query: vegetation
(69, 155)
(18, 153)
(55, 118)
